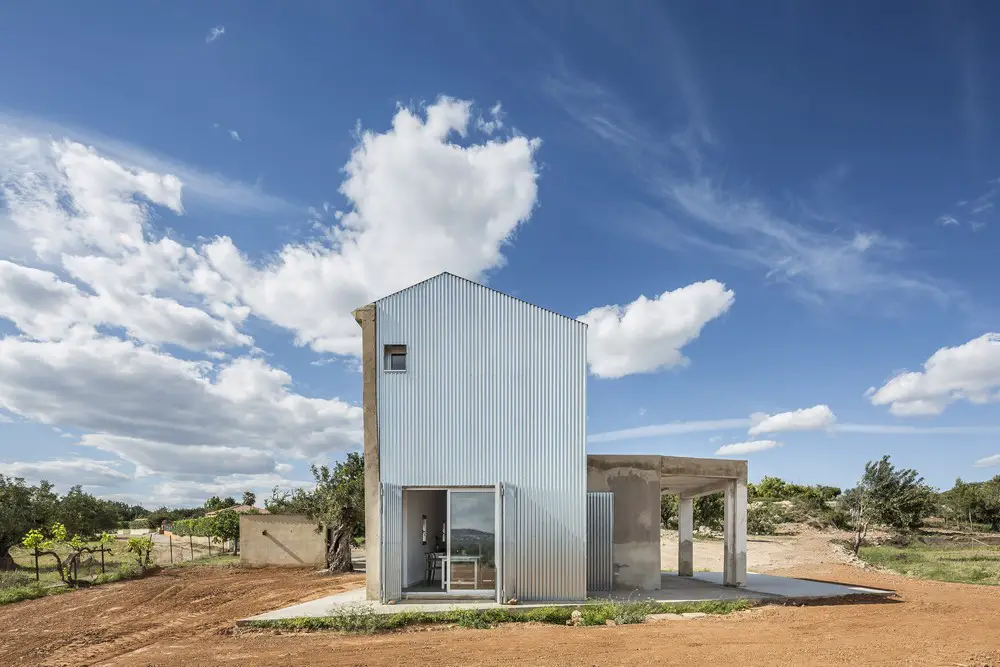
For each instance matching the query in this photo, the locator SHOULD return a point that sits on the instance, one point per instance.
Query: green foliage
(249, 498)
(214, 504)
(668, 510)
(141, 549)
(24, 508)
(337, 501)
(973, 503)
(137, 524)
(362, 619)
(225, 525)
(709, 511)
(763, 518)
(775, 488)
(29, 591)
(67, 551)
(156, 518)
(894, 498)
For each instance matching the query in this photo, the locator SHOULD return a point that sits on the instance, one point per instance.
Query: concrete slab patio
(702, 587)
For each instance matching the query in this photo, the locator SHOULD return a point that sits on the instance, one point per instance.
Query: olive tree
(894, 498)
(336, 502)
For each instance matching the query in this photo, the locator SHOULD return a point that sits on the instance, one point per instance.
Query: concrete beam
(734, 566)
(365, 317)
(685, 537)
(684, 465)
(709, 487)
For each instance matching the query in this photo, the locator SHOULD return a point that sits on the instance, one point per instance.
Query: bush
(763, 518)
(30, 591)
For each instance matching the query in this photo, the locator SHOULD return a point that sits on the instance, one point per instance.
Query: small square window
(395, 357)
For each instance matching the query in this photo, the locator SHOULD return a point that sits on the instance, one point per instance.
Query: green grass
(363, 620)
(964, 565)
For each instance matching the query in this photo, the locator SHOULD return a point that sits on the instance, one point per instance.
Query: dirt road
(182, 618)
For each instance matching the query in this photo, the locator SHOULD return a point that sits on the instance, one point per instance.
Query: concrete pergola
(690, 478)
(638, 483)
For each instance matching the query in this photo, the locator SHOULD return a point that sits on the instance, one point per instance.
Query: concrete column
(685, 536)
(365, 317)
(735, 545)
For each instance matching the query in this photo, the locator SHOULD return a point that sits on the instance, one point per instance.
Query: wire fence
(168, 549)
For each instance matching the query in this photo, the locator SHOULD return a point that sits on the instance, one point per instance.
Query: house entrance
(450, 542)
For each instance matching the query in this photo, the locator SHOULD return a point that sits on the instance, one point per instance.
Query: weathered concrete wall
(635, 483)
(365, 317)
(281, 539)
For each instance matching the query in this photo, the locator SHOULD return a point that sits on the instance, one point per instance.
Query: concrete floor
(703, 586)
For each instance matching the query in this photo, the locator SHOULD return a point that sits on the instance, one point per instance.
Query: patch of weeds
(31, 591)
(362, 619)
(123, 573)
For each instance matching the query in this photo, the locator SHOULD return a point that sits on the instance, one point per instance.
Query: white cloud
(738, 448)
(970, 371)
(988, 461)
(151, 457)
(420, 204)
(111, 387)
(806, 419)
(194, 492)
(495, 121)
(682, 428)
(215, 33)
(234, 135)
(647, 335)
(20, 137)
(688, 207)
(85, 262)
(947, 220)
(675, 428)
(67, 472)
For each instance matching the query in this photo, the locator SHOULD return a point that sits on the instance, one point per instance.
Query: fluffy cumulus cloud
(739, 448)
(67, 472)
(100, 297)
(420, 204)
(648, 334)
(970, 372)
(815, 418)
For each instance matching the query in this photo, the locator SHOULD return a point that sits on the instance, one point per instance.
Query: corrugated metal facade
(391, 498)
(600, 528)
(494, 391)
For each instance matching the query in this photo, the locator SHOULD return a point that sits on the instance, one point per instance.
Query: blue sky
(194, 197)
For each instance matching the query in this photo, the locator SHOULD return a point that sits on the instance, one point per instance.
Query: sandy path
(764, 553)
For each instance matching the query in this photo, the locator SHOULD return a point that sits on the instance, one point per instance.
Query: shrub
(763, 518)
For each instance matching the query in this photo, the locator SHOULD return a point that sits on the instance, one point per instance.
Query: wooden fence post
(102, 559)
(191, 544)
(36, 563)
(170, 541)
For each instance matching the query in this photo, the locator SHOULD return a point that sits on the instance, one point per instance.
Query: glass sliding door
(472, 542)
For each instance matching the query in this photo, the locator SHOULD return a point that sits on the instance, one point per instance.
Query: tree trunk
(7, 561)
(339, 555)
